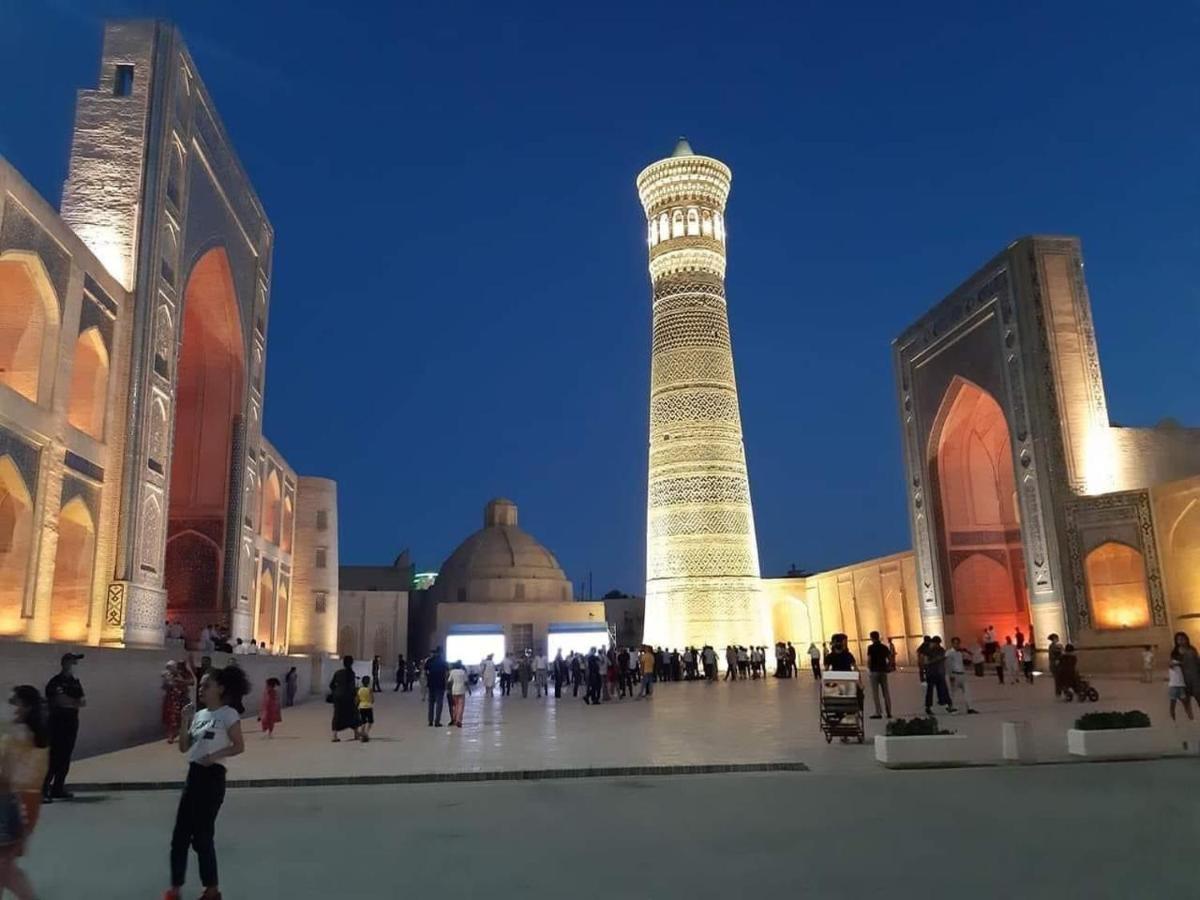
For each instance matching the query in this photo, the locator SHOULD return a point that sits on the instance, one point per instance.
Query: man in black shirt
(879, 663)
(64, 697)
(935, 676)
(840, 659)
(435, 679)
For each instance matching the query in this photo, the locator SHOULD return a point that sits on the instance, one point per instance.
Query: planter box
(1117, 743)
(932, 751)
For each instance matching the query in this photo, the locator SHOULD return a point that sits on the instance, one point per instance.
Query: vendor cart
(841, 706)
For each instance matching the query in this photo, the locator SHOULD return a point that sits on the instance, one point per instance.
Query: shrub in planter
(1106, 721)
(917, 726)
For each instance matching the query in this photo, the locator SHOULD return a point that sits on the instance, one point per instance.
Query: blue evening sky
(460, 306)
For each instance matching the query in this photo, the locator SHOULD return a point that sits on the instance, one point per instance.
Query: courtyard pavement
(1105, 830)
(685, 724)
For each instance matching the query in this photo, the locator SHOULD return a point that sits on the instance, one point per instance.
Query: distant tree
(615, 594)
(794, 572)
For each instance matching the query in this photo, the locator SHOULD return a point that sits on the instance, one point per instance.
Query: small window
(322, 520)
(462, 595)
(320, 598)
(320, 557)
(123, 81)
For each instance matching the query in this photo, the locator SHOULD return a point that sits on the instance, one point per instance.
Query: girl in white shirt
(206, 737)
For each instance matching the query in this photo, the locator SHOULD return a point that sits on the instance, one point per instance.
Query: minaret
(702, 578)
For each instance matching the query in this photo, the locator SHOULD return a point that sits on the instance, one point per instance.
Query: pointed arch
(87, 402)
(288, 525)
(210, 396)
(270, 516)
(265, 624)
(1117, 588)
(973, 484)
(29, 320)
(16, 543)
(71, 595)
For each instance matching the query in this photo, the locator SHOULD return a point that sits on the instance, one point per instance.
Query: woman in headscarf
(343, 694)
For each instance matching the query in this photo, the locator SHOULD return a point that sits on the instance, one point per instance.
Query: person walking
(268, 708)
(401, 674)
(594, 679)
(922, 651)
(935, 676)
(1185, 655)
(343, 694)
(976, 654)
(879, 663)
(506, 675)
(458, 686)
(646, 664)
(1148, 664)
(64, 699)
(365, 702)
(206, 737)
(376, 665)
(1177, 688)
(1008, 657)
(525, 671)
(957, 660)
(487, 673)
(559, 668)
(540, 675)
(24, 757)
(1054, 654)
(1028, 654)
(602, 666)
(435, 685)
(814, 660)
(290, 682)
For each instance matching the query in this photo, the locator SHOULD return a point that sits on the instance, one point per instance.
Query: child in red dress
(268, 712)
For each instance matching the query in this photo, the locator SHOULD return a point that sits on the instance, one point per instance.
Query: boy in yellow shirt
(366, 709)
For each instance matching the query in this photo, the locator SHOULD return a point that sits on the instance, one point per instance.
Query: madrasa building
(136, 485)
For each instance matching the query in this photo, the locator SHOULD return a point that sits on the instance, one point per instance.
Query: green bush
(1103, 721)
(915, 727)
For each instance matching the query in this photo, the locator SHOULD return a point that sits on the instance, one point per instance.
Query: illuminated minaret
(702, 578)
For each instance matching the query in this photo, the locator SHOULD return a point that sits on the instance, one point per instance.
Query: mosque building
(136, 485)
(500, 591)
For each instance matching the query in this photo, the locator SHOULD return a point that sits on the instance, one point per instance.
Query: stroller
(1070, 683)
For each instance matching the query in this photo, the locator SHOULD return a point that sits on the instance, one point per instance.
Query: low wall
(124, 686)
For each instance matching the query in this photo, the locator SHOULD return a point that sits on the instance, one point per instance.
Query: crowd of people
(203, 707)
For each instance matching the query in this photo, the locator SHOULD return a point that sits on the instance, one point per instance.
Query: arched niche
(1117, 589)
(87, 403)
(28, 325)
(71, 595)
(16, 543)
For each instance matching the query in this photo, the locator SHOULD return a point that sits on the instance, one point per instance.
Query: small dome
(500, 562)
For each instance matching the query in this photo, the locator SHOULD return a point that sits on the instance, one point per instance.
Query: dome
(501, 563)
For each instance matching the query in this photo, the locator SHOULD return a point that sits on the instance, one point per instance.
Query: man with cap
(64, 698)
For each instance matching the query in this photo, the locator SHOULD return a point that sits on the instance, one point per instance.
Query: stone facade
(872, 595)
(132, 457)
(1028, 508)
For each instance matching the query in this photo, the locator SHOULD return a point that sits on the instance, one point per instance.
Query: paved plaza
(685, 724)
(1106, 830)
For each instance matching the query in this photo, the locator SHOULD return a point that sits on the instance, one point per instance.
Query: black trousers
(196, 822)
(593, 691)
(936, 682)
(437, 697)
(816, 667)
(64, 729)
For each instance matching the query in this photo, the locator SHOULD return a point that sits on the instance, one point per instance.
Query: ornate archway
(977, 516)
(210, 388)
(71, 596)
(16, 541)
